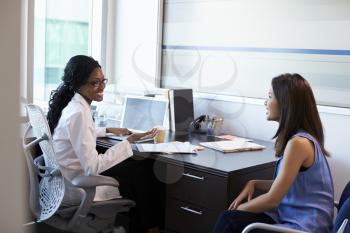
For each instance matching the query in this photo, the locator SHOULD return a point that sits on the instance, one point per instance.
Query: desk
(199, 186)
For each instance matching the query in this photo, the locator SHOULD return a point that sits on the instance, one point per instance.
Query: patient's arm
(299, 152)
(263, 185)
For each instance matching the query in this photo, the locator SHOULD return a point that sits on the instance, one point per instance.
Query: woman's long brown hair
(298, 110)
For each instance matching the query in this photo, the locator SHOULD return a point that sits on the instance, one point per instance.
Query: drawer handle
(191, 210)
(193, 176)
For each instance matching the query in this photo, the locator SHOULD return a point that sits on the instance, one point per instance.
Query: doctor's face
(272, 107)
(93, 89)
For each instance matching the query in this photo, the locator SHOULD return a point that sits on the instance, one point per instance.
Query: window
(62, 29)
(122, 37)
(235, 48)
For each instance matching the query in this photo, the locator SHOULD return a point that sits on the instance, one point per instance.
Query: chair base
(44, 228)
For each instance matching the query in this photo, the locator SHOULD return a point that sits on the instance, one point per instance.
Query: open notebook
(232, 146)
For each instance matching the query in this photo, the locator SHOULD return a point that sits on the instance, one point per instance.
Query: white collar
(79, 98)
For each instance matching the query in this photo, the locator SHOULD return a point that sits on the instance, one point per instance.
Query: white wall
(248, 120)
(11, 176)
(225, 46)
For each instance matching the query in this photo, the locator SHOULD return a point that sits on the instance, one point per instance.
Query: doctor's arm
(102, 131)
(118, 131)
(82, 138)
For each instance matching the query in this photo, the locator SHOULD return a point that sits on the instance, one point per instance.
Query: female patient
(301, 194)
(74, 138)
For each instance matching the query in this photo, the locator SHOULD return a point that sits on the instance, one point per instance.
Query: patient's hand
(246, 195)
(119, 131)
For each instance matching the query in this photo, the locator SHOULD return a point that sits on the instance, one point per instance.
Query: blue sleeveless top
(308, 205)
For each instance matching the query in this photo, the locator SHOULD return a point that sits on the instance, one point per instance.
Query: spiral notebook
(232, 146)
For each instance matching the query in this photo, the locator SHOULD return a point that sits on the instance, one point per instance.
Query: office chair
(344, 195)
(341, 225)
(47, 186)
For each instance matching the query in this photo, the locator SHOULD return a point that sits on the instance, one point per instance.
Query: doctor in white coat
(74, 133)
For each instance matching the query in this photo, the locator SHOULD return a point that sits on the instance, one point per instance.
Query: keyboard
(117, 137)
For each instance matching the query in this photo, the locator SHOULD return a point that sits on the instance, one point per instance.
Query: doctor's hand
(246, 195)
(118, 131)
(141, 136)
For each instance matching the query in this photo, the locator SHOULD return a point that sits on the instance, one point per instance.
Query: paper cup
(160, 137)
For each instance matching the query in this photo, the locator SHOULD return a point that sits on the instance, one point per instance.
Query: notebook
(232, 146)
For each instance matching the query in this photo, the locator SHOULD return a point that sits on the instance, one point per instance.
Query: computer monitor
(141, 114)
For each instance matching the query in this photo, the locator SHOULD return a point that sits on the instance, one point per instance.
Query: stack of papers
(232, 146)
(169, 148)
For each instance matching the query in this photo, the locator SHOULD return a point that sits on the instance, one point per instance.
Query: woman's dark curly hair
(76, 74)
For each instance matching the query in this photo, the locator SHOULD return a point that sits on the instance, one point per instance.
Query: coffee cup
(160, 136)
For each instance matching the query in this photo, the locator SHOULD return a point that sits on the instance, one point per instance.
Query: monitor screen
(144, 113)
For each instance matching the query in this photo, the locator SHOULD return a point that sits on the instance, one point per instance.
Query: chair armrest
(93, 181)
(343, 226)
(88, 184)
(270, 227)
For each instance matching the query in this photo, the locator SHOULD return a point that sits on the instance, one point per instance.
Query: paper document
(172, 147)
(232, 146)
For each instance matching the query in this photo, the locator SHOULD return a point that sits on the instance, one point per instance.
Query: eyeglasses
(98, 83)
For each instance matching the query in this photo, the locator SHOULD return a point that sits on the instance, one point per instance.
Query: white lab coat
(74, 142)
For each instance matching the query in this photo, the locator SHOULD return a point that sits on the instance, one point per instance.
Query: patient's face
(93, 89)
(272, 107)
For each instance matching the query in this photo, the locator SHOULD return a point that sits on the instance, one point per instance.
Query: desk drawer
(183, 217)
(197, 187)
